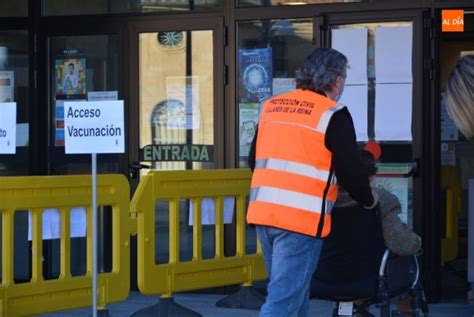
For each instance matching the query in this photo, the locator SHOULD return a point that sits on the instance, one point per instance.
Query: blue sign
(255, 74)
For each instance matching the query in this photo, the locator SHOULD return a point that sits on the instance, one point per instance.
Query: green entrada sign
(177, 152)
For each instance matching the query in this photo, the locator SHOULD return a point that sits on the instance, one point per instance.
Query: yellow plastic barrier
(198, 273)
(451, 183)
(66, 292)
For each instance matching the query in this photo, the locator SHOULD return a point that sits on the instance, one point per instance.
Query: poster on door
(70, 75)
(6, 86)
(255, 74)
(248, 119)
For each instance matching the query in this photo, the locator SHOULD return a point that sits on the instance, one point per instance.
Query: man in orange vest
(304, 141)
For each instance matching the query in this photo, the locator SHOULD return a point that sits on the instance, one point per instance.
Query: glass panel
(82, 68)
(371, 87)
(105, 234)
(1, 247)
(14, 81)
(13, 8)
(21, 248)
(270, 51)
(162, 231)
(73, 7)
(177, 99)
(267, 3)
(250, 234)
(456, 195)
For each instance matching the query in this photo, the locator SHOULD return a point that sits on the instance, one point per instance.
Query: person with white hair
(459, 95)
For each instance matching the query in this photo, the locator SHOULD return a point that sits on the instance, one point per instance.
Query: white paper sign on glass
(7, 127)
(353, 44)
(282, 85)
(208, 211)
(393, 54)
(52, 223)
(355, 97)
(94, 127)
(393, 112)
(102, 95)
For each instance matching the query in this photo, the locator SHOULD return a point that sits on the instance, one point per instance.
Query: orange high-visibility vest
(293, 187)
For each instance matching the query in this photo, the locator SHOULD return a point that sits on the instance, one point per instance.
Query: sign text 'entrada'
(176, 153)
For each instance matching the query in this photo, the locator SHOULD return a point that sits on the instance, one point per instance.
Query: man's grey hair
(459, 95)
(321, 69)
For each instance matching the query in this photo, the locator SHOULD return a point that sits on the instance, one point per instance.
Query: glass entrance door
(384, 93)
(180, 99)
(177, 113)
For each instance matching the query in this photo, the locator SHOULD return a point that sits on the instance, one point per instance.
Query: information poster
(69, 85)
(70, 74)
(7, 86)
(449, 131)
(248, 119)
(448, 154)
(282, 85)
(255, 74)
(390, 177)
(182, 90)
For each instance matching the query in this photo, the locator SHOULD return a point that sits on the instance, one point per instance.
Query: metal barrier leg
(247, 298)
(103, 313)
(166, 307)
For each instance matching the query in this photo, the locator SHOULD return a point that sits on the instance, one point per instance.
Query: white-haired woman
(459, 95)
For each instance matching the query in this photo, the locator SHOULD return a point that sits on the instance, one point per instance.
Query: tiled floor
(205, 305)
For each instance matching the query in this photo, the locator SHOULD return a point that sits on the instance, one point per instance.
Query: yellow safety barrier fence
(451, 184)
(197, 273)
(63, 193)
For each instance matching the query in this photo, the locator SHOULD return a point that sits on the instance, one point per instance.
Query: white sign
(353, 44)
(182, 107)
(102, 95)
(355, 97)
(393, 112)
(8, 128)
(208, 211)
(282, 85)
(52, 223)
(393, 55)
(94, 127)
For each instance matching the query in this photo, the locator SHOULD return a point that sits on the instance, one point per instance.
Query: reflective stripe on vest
(326, 117)
(295, 168)
(292, 185)
(289, 198)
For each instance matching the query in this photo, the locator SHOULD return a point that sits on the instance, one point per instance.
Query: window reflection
(73, 7)
(269, 53)
(14, 69)
(176, 98)
(267, 3)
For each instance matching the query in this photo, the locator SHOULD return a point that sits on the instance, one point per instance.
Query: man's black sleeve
(341, 141)
(252, 153)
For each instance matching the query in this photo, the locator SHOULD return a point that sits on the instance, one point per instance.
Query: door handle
(134, 168)
(414, 170)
